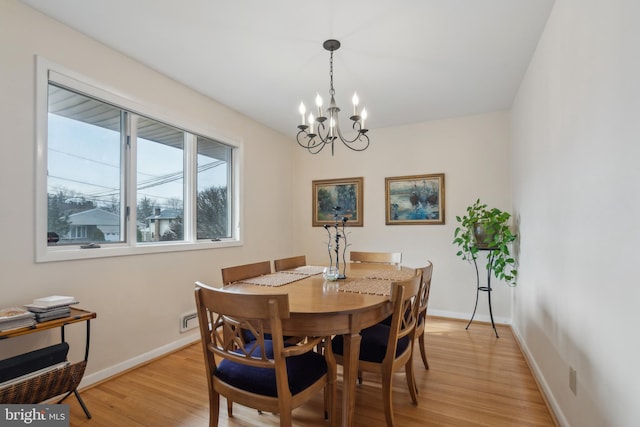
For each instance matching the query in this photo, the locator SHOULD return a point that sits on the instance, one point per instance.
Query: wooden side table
(56, 382)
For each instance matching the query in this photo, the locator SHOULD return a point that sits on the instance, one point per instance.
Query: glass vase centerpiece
(336, 247)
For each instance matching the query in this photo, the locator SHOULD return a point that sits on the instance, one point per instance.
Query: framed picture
(417, 199)
(337, 197)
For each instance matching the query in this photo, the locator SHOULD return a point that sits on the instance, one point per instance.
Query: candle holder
(336, 235)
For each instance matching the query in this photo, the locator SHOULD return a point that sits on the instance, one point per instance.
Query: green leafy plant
(482, 227)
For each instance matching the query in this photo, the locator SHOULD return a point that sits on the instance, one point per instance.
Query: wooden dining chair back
(239, 272)
(394, 258)
(385, 349)
(421, 319)
(289, 263)
(264, 374)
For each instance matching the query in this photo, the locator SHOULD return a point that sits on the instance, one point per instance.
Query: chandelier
(316, 133)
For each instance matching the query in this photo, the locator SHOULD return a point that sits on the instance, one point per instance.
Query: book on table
(52, 307)
(15, 317)
(35, 308)
(14, 313)
(54, 301)
(55, 313)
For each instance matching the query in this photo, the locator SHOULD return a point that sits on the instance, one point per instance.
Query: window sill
(69, 253)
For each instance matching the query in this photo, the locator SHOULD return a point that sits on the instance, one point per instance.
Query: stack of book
(52, 307)
(15, 318)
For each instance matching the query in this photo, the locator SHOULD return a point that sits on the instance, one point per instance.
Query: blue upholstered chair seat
(387, 321)
(302, 370)
(374, 343)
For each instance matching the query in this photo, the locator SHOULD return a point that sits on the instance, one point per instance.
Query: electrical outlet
(573, 380)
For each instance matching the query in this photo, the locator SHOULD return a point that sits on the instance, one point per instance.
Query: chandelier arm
(326, 138)
(319, 149)
(342, 138)
(364, 147)
(358, 139)
(311, 142)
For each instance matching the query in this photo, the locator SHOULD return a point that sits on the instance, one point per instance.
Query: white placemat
(307, 270)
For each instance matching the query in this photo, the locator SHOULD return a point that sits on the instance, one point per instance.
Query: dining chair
(265, 374)
(239, 272)
(423, 298)
(385, 349)
(394, 258)
(289, 263)
(247, 271)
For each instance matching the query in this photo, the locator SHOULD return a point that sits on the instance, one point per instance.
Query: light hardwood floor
(474, 380)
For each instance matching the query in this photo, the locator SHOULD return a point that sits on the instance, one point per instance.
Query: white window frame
(46, 71)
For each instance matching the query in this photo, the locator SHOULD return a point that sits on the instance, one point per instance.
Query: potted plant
(484, 228)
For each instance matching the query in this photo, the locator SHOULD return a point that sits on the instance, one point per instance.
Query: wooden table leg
(350, 374)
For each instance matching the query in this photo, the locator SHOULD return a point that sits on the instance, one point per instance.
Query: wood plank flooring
(474, 380)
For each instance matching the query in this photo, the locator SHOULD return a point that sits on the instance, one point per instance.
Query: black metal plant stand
(486, 289)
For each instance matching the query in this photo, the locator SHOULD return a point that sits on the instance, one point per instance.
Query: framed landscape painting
(416, 199)
(341, 197)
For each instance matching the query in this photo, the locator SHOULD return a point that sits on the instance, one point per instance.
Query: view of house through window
(160, 183)
(87, 177)
(84, 154)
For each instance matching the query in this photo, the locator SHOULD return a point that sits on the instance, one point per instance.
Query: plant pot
(484, 237)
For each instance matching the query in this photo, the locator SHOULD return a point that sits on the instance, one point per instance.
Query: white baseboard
(467, 316)
(537, 373)
(138, 360)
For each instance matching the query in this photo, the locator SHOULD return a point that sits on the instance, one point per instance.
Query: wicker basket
(44, 386)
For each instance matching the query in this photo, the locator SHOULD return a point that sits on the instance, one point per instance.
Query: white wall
(575, 129)
(473, 154)
(138, 299)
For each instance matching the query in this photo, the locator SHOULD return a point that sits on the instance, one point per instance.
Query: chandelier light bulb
(363, 116)
(355, 101)
(302, 110)
(310, 123)
(319, 104)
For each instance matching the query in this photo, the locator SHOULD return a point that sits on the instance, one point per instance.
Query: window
(84, 151)
(160, 181)
(117, 179)
(213, 175)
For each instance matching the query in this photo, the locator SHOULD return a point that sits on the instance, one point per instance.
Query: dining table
(320, 307)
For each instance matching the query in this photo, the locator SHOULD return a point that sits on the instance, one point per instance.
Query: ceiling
(409, 61)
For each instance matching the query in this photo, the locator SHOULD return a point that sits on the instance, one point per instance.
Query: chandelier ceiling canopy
(321, 131)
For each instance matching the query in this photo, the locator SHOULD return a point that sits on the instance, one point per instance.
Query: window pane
(160, 182)
(83, 169)
(213, 210)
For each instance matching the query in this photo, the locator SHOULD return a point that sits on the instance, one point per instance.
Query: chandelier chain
(331, 90)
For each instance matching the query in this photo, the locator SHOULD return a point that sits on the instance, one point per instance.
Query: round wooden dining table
(323, 308)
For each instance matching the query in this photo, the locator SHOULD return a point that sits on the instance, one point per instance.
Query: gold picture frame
(415, 199)
(345, 193)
